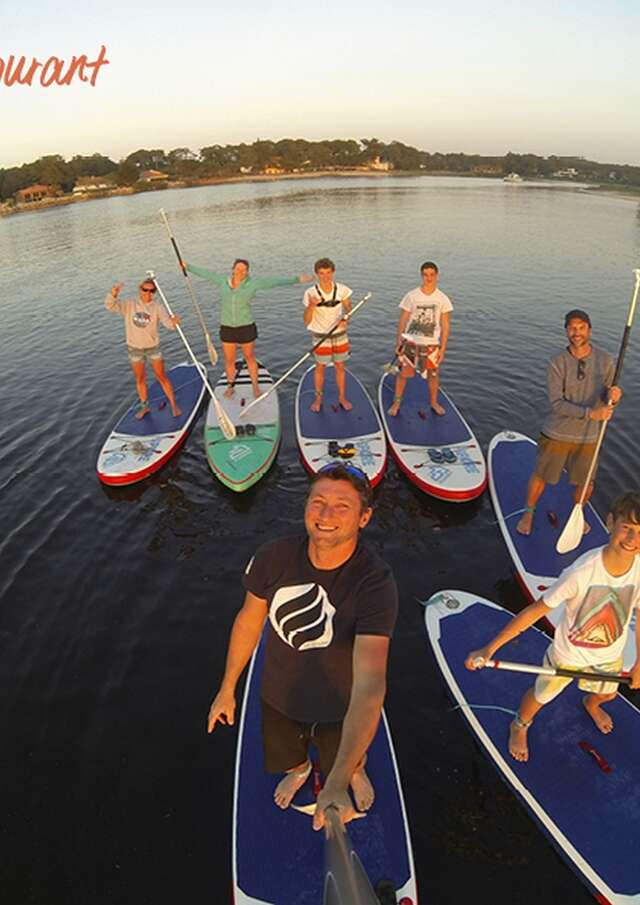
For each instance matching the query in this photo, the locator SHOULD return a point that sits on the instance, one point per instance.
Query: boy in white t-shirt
(323, 305)
(601, 593)
(423, 333)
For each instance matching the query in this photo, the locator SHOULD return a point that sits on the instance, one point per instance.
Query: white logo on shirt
(302, 616)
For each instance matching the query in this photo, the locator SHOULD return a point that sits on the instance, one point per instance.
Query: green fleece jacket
(236, 303)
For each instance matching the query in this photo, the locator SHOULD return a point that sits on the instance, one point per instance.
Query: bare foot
(257, 392)
(437, 408)
(176, 412)
(394, 408)
(346, 405)
(363, 793)
(289, 785)
(525, 524)
(599, 716)
(145, 408)
(518, 748)
(317, 404)
(228, 393)
(586, 527)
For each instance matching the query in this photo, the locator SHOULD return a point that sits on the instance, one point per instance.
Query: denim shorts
(138, 355)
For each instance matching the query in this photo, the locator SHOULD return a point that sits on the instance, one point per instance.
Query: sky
(547, 78)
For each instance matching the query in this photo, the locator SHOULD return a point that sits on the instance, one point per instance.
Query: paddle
(343, 317)
(624, 678)
(226, 424)
(346, 881)
(213, 355)
(573, 530)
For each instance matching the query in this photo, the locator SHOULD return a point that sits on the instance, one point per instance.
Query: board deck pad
(277, 857)
(334, 435)
(241, 462)
(420, 440)
(138, 447)
(512, 458)
(592, 817)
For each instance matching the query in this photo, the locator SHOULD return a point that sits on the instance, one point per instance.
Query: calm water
(116, 604)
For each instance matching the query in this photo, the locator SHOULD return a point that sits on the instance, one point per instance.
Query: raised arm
(111, 301)
(218, 278)
(519, 624)
(245, 634)
(370, 654)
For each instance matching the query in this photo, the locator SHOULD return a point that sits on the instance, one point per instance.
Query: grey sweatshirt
(572, 399)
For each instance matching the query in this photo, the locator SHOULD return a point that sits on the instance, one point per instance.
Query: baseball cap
(576, 314)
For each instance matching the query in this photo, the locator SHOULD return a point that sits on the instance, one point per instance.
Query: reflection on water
(116, 603)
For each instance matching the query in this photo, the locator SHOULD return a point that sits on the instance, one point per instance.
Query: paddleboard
(512, 458)
(333, 435)
(278, 859)
(136, 448)
(241, 462)
(592, 817)
(438, 453)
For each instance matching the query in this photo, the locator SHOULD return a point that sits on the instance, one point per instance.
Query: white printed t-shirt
(425, 315)
(598, 610)
(329, 309)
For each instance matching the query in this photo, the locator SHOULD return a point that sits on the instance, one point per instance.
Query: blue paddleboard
(136, 448)
(334, 435)
(592, 817)
(512, 457)
(438, 453)
(278, 859)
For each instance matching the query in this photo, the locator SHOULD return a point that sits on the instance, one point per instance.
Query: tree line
(293, 155)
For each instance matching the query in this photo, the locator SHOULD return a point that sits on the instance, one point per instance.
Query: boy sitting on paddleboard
(141, 317)
(323, 305)
(423, 333)
(600, 591)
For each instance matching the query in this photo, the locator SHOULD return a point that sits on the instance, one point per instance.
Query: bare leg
(599, 716)
(586, 526)
(318, 381)
(158, 369)
(363, 792)
(434, 384)
(249, 352)
(140, 375)
(394, 408)
(229, 352)
(534, 492)
(341, 381)
(518, 747)
(293, 780)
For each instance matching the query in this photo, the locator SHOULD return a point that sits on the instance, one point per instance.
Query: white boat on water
(512, 178)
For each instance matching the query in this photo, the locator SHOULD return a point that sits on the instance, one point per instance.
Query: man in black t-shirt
(331, 607)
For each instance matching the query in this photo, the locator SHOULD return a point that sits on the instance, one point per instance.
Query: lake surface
(116, 604)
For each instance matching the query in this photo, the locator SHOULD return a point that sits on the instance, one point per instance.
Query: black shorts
(286, 742)
(245, 334)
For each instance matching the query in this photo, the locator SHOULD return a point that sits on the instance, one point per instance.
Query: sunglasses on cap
(352, 469)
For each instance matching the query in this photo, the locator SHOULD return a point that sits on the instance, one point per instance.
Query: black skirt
(245, 334)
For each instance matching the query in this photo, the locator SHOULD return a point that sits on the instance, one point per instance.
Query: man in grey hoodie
(580, 396)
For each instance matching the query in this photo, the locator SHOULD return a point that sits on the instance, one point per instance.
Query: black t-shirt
(314, 616)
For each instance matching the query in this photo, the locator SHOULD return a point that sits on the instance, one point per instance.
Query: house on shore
(86, 185)
(34, 193)
(152, 176)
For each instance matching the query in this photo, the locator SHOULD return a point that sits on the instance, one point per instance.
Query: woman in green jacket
(237, 326)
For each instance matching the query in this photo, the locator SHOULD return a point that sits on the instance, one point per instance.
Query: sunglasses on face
(148, 289)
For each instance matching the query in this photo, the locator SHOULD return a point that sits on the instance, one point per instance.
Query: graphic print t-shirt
(140, 320)
(425, 315)
(329, 309)
(314, 616)
(599, 608)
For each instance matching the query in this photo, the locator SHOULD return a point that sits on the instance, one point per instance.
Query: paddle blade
(225, 422)
(572, 531)
(211, 349)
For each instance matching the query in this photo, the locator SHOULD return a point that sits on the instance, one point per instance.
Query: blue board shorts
(137, 355)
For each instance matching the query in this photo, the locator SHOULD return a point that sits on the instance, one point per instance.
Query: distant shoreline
(46, 203)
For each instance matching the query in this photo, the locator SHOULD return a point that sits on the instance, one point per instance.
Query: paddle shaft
(624, 678)
(225, 423)
(346, 882)
(621, 354)
(344, 317)
(189, 285)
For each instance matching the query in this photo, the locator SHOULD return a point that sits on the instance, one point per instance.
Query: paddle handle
(616, 376)
(346, 882)
(187, 278)
(306, 355)
(623, 678)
